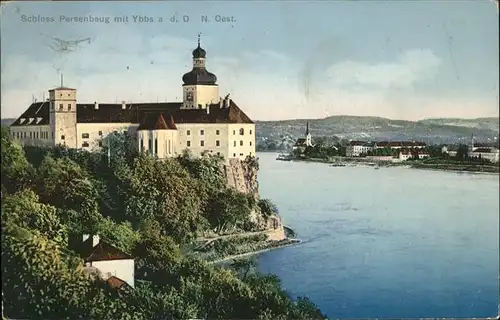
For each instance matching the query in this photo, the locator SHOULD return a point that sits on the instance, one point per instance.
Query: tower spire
(199, 36)
(307, 128)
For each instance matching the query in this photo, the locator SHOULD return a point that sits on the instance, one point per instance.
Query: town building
(358, 148)
(202, 123)
(404, 155)
(115, 266)
(482, 151)
(395, 145)
(305, 142)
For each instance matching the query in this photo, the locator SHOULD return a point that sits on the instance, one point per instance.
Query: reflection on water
(386, 243)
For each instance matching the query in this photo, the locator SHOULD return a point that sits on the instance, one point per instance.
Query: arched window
(242, 132)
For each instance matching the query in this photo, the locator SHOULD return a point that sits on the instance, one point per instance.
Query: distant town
(393, 152)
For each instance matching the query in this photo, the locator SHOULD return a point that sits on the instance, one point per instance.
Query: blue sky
(278, 60)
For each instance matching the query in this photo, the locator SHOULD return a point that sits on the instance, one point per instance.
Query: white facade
(357, 150)
(230, 137)
(123, 269)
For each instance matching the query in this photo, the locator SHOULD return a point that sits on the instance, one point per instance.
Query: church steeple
(199, 75)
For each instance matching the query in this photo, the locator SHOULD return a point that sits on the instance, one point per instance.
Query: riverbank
(469, 168)
(230, 247)
(272, 246)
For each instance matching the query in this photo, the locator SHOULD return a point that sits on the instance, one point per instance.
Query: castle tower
(200, 88)
(308, 136)
(62, 101)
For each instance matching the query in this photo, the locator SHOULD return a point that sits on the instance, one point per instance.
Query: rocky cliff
(242, 175)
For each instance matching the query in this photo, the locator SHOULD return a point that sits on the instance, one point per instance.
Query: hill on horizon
(453, 130)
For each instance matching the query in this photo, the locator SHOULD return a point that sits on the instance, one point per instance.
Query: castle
(202, 123)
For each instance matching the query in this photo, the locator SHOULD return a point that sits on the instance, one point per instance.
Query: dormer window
(21, 121)
(242, 132)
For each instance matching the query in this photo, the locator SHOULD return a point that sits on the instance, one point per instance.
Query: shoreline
(362, 163)
(288, 242)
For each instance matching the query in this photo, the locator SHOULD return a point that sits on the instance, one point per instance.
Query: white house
(406, 154)
(202, 122)
(116, 266)
(356, 148)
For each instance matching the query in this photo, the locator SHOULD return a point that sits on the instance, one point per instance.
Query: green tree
(16, 170)
(267, 207)
(24, 209)
(229, 208)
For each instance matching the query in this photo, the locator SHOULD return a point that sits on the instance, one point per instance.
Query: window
(69, 106)
(241, 143)
(189, 143)
(85, 144)
(250, 153)
(115, 132)
(234, 144)
(31, 135)
(156, 147)
(217, 143)
(217, 132)
(142, 145)
(85, 135)
(218, 153)
(150, 145)
(250, 131)
(52, 107)
(234, 132)
(52, 135)
(202, 143)
(241, 154)
(100, 132)
(242, 132)
(234, 154)
(63, 137)
(61, 107)
(100, 144)
(125, 132)
(202, 132)
(250, 143)
(68, 94)
(188, 132)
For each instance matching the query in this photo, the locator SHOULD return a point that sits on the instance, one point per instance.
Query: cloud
(411, 67)
(121, 64)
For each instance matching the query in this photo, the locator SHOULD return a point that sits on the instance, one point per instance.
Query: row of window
(217, 143)
(31, 135)
(217, 132)
(61, 106)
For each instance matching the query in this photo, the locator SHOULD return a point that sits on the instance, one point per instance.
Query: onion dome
(199, 76)
(199, 52)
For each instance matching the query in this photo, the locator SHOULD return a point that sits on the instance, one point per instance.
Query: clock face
(189, 96)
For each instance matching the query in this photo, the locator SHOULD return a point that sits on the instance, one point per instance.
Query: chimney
(124, 105)
(208, 108)
(96, 105)
(220, 103)
(95, 239)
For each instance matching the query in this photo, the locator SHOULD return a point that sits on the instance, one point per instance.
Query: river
(387, 243)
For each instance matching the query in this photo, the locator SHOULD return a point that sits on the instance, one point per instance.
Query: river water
(393, 242)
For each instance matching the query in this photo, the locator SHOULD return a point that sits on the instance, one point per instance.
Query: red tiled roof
(482, 150)
(101, 252)
(135, 113)
(116, 283)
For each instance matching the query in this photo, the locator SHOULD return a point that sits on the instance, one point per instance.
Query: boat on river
(284, 157)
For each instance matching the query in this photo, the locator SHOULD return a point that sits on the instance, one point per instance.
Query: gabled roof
(300, 142)
(101, 252)
(149, 122)
(38, 111)
(116, 283)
